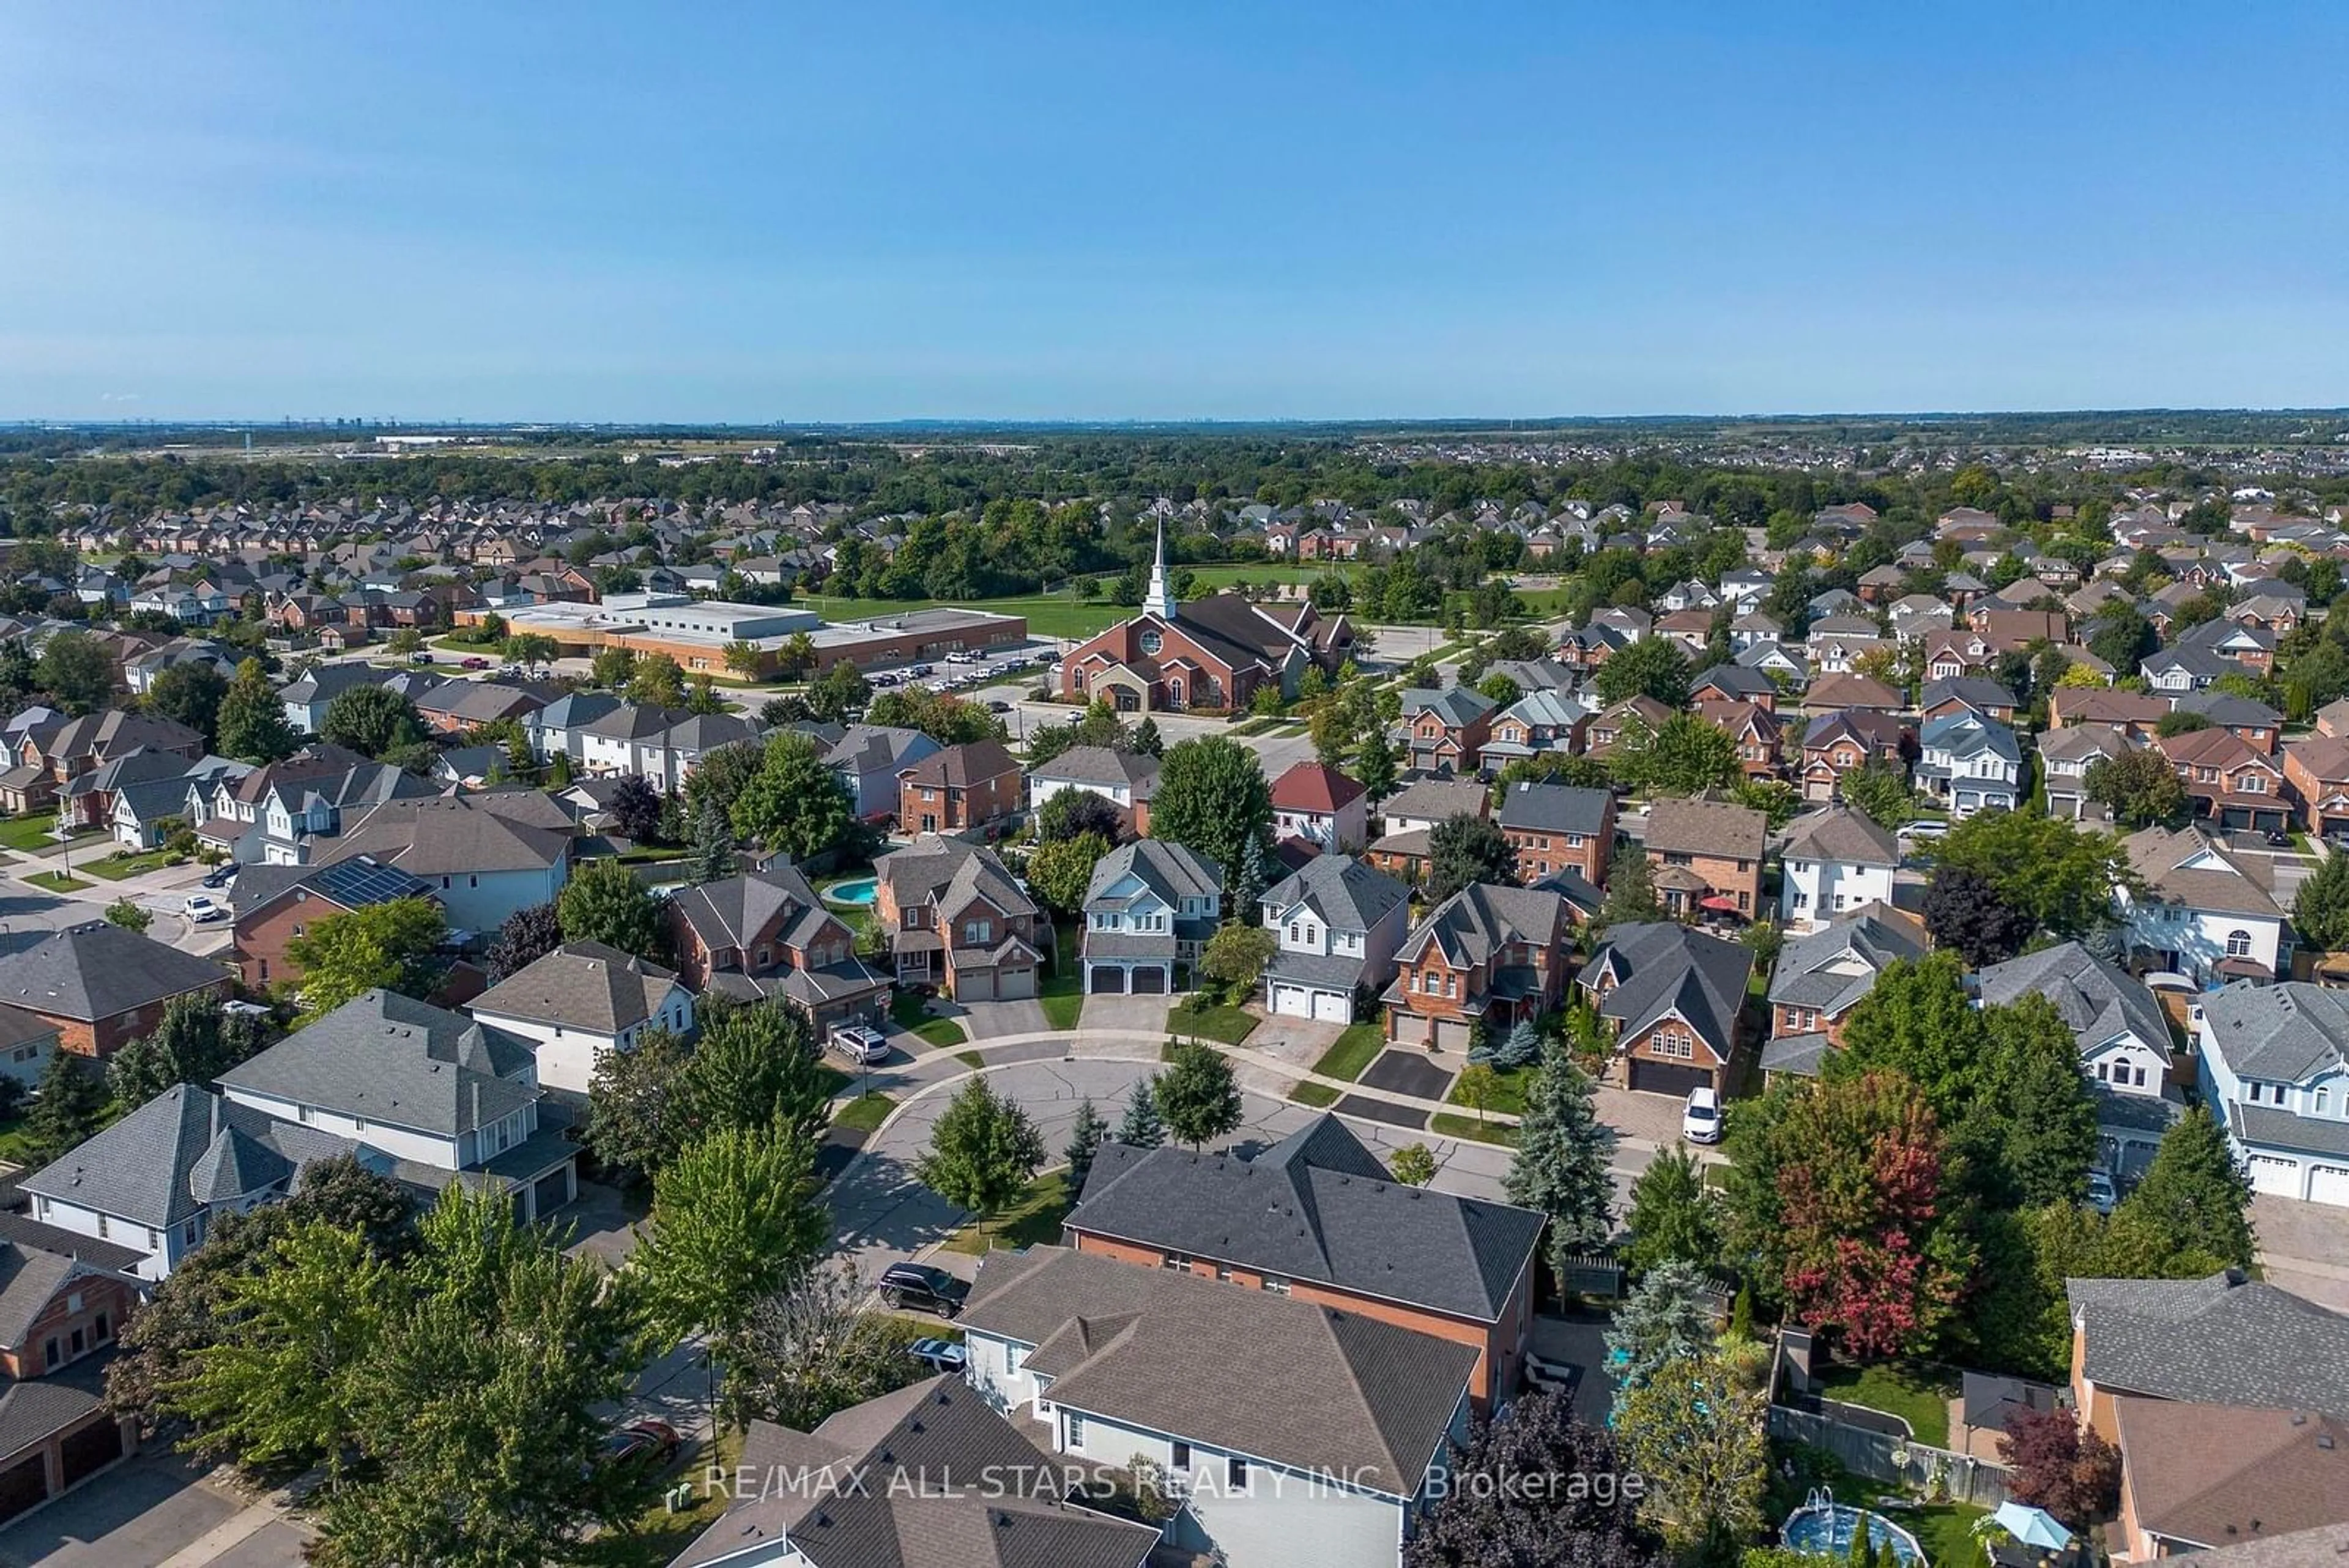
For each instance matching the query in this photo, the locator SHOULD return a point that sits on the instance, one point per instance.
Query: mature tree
(69, 1107)
(1062, 872)
(372, 720)
(1084, 1143)
(1919, 1021)
(2120, 635)
(1236, 956)
(75, 668)
(613, 667)
(2062, 875)
(636, 808)
(813, 1349)
(1197, 1093)
(1630, 891)
(1686, 755)
(191, 694)
(657, 680)
(604, 902)
(942, 716)
(1966, 912)
(1520, 1046)
(982, 1151)
(2037, 1105)
(2141, 787)
(1142, 1126)
(1560, 1166)
(1211, 798)
(757, 1065)
(1375, 765)
(1488, 1518)
(1667, 1316)
(1879, 791)
(1463, 850)
(1072, 813)
(638, 1113)
(713, 858)
(717, 779)
(1652, 667)
(1671, 1217)
(125, 912)
(2321, 909)
(735, 1217)
(1413, 1165)
(1248, 883)
(394, 946)
(794, 803)
(193, 1042)
(1147, 741)
(1695, 1432)
(2061, 1464)
(529, 934)
(838, 692)
(1839, 1200)
(2194, 1197)
(252, 719)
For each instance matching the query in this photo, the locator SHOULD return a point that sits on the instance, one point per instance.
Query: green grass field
(906, 1013)
(115, 869)
(1356, 1049)
(1917, 1396)
(865, 1111)
(1057, 613)
(1229, 1025)
(1509, 1086)
(1318, 1096)
(55, 881)
(1032, 1220)
(1062, 993)
(28, 833)
(1444, 1124)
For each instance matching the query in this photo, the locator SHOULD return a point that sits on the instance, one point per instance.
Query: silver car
(860, 1042)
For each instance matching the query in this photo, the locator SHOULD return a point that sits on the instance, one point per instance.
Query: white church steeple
(1160, 600)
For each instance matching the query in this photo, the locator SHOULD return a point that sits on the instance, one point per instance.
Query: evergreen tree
(66, 1110)
(2194, 1197)
(1141, 1127)
(1249, 889)
(713, 847)
(1561, 1163)
(1671, 1216)
(1146, 740)
(1521, 1047)
(1084, 1143)
(1666, 1317)
(1375, 765)
(1630, 891)
(253, 725)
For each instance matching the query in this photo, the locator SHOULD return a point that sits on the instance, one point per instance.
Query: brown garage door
(22, 1485)
(553, 1190)
(1665, 1078)
(1150, 980)
(1105, 979)
(91, 1449)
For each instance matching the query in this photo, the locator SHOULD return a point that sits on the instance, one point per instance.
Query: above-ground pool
(1826, 1528)
(860, 891)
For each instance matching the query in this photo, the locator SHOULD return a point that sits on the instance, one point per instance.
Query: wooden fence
(1864, 1446)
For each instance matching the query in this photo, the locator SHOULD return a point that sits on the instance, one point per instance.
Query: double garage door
(995, 985)
(1666, 1078)
(2325, 1183)
(1108, 980)
(1304, 1001)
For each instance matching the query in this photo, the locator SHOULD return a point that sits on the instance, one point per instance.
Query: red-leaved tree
(2061, 1466)
(1864, 1243)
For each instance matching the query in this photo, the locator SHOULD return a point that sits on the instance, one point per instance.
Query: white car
(1701, 1118)
(1926, 828)
(2101, 1195)
(938, 1355)
(200, 908)
(860, 1042)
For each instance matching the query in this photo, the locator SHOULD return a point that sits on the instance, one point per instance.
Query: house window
(977, 931)
(1152, 643)
(1181, 1458)
(1076, 1430)
(2322, 1094)
(2238, 944)
(1235, 1472)
(1276, 1285)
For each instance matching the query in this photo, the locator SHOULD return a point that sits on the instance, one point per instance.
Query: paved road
(29, 913)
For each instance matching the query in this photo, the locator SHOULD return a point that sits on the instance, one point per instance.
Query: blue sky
(693, 212)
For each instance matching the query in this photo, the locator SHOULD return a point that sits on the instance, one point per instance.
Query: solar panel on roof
(357, 882)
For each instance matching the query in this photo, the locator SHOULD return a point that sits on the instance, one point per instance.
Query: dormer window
(1152, 643)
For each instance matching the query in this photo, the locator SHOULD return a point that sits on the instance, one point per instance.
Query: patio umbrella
(2032, 1526)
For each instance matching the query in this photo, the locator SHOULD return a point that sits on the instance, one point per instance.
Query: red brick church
(1210, 655)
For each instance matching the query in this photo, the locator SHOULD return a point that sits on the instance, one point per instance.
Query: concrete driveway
(993, 1020)
(2304, 1248)
(154, 1508)
(1147, 1012)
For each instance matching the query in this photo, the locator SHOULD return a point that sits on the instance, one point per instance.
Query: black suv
(921, 1286)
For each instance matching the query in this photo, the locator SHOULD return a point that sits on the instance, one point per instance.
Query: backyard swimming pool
(860, 891)
(1827, 1528)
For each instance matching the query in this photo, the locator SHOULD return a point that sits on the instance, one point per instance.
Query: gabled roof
(2222, 1340)
(1474, 925)
(1455, 705)
(1314, 787)
(947, 871)
(1553, 808)
(1436, 800)
(455, 834)
(99, 970)
(1662, 967)
(1316, 1206)
(960, 767)
(1707, 828)
(145, 1168)
(581, 985)
(2098, 999)
(2187, 867)
(728, 912)
(2212, 1474)
(389, 1058)
(1173, 871)
(1136, 771)
(1972, 690)
(1345, 892)
(1291, 1382)
(1841, 835)
(2288, 1033)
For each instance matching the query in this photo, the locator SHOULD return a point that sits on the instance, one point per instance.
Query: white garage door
(2270, 1174)
(2328, 1184)
(1293, 999)
(1333, 1007)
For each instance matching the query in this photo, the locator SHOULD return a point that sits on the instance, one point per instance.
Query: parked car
(419, 657)
(650, 1443)
(476, 662)
(241, 1008)
(938, 1355)
(1701, 1118)
(2279, 840)
(1926, 829)
(998, 706)
(924, 1288)
(860, 1042)
(201, 909)
(221, 875)
(2102, 1194)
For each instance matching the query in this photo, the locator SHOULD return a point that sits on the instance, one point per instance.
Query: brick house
(1707, 856)
(1553, 827)
(955, 918)
(1458, 1269)
(1753, 730)
(766, 933)
(58, 1306)
(2316, 781)
(2232, 785)
(1445, 732)
(957, 789)
(272, 905)
(1673, 996)
(1845, 742)
(2131, 713)
(1821, 977)
(1609, 725)
(102, 985)
(1485, 955)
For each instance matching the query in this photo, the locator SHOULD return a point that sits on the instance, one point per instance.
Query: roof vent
(2325, 1441)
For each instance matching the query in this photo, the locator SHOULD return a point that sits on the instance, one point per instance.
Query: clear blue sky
(690, 212)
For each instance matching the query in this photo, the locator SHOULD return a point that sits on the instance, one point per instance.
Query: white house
(1307, 1425)
(660, 745)
(1316, 803)
(2275, 1068)
(2204, 913)
(1336, 925)
(580, 1002)
(2124, 1038)
(1151, 906)
(1124, 779)
(486, 855)
(1835, 860)
(1969, 764)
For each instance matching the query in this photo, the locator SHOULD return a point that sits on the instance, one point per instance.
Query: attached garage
(2271, 1173)
(550, 1193)
(23, 1485)
(90, 1450)
(975, 986)
(1453, 1033)
(1015, 984)
(1406, 1028)
(1667, 1078)
(2328, 1184)
(1105, 979)
(1151, 980)
(1292, 1000)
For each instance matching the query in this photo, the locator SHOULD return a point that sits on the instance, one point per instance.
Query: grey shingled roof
(1315, 1205)
(143, 1167)
(31, 1412)
(2325, 1547)
(1348, 893)
(581, 985)
(1171, 870)
(1552, 808)
(1290, 1382)
(1479, 921)
(2284, 1033)
(390, 1058)
(1662, 966)
(452, 835)
(1103, 765)
(2221, 1340)
(1832, 968)
(2098, 999)
(29, 1279)
(99, 970)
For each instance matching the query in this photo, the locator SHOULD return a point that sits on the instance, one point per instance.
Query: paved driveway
(1146, 1012)
(146, 1512)
(2304, 1247)
(993, 1020)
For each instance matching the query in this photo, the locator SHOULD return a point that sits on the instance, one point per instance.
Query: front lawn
(906, 1012)
(1320, 1095)
(115, 868)
(1508, 1097)
(1351, 1052)
(1919, 1396)
(865, 1113)
(27, 833)
(55, 881)
(970, 1059)
(1033, 1220)
(1230, 1025)
(1445, 1123)
(1063, 991)
(656, 1535)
